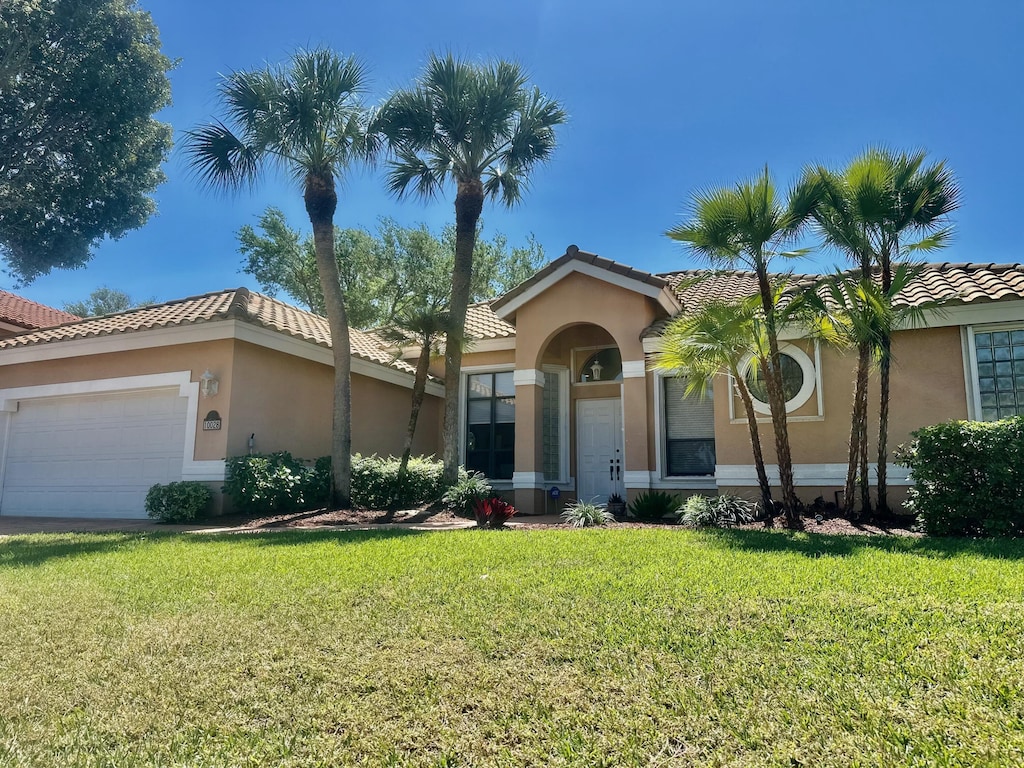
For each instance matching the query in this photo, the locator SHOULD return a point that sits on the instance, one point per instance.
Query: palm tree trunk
(419, 388)
(883, 386)
(858, 428)
(755, 443)
(777, 402)
(883, 427)
(321, 201)
(469, 203)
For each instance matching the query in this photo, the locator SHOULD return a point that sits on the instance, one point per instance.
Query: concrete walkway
(16, 526)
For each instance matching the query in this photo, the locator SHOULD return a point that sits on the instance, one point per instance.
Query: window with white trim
(799, 379)
(689, 430)
(1000, 370)
(491, 424)
(554, 428)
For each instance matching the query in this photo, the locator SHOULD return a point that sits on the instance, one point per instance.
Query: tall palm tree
(748, 225)
(712, 341)
(483, 129)
(882, 208)
(846, 310)
(306, 119)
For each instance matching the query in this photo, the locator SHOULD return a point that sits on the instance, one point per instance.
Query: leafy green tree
(714, 341)
(747, 225)
(483, 129)
(80, 152)
(105, 301)
(882, 209)
(306, 119)
(384, 274)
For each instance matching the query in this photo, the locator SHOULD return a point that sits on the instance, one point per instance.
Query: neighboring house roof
(23, 313)
(234, 304)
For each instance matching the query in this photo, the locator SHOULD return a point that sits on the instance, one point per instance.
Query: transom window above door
(600, 365)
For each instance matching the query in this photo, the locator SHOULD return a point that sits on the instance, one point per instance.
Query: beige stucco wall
(287, 402)
(927, 386)
(197, 357)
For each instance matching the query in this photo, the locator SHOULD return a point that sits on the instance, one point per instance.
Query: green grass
(480, 648)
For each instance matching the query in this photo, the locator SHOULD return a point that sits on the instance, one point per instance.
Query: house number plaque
(211, 422)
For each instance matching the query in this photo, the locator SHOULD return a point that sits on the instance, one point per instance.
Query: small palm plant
(586, 514)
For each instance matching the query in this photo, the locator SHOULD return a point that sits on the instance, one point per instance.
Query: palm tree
(869, 210)
(483, 129)
(425, 327)
(747, 225)
(306, 119)
(715, 340)
(850, 310)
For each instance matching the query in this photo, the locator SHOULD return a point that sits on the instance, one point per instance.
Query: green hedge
(278, 482)
(178, 502)
(968, 477)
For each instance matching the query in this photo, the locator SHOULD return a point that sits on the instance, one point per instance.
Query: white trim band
(528, 377)
(806, 474)
(634, 369)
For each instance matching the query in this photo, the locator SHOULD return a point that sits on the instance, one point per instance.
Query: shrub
(462, 497)
(968, 477)
(717, 511)
(275, 482)
(493, 512)
(178, 502)
(652, 506)
(584, 514)
(375, 482)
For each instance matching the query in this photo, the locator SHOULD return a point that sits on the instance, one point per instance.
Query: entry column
(634, 410)
(528, 478)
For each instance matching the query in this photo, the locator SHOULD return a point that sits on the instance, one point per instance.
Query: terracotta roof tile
(240, 304)
(482, 323)
(17, 310)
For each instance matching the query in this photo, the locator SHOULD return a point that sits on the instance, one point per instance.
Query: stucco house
(557, 391)
(93, 412)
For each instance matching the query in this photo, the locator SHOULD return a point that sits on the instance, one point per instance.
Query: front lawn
(480, 648)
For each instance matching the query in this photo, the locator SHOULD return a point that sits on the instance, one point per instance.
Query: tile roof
(235, 304)
(960, 283)
(19, 311)
(482, 323)
(573, 253)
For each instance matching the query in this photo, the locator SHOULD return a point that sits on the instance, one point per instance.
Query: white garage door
(92, 455)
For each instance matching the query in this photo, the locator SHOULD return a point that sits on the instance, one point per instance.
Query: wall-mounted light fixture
(208, 384)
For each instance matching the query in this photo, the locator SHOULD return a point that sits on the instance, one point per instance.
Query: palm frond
(221, 160)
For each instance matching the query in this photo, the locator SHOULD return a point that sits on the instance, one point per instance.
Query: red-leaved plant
(493, 512)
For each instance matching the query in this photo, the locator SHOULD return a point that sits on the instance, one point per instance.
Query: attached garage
(92, 454)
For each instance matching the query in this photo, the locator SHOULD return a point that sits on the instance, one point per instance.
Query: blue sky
(664, 98)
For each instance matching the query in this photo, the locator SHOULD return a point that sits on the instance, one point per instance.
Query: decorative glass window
(491, 424)
(552, 426)
(1000, 373)
(792, 379)
(689, 431)
(603, 365)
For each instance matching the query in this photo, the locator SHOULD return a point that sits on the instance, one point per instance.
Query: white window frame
(972, 381)
(564, 378)
(464, 373)
(661, 479)
(811, 385)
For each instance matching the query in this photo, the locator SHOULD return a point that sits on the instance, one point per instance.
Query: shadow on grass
(820, 545)
(38, 549)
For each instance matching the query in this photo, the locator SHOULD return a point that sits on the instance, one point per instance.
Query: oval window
(792, 379)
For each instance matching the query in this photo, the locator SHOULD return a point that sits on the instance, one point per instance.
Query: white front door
(599, 456)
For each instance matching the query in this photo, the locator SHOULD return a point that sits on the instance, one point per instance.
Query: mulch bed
(832, 525)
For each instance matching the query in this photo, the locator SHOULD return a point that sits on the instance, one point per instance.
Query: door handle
(611, 470)
(618, 471)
